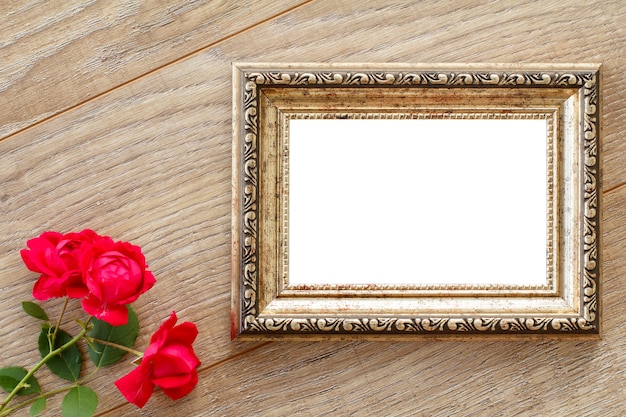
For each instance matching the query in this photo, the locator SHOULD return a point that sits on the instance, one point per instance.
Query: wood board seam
(155, 70)
(614, 188)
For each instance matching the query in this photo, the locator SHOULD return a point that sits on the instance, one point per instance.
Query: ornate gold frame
(267, 96)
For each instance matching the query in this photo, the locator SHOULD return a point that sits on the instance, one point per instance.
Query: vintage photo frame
(266, 97)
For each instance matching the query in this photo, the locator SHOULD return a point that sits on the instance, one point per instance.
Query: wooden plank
(150, 163)
(57, 56)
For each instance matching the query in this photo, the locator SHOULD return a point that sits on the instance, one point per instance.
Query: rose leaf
(67, 364)
(38, 406)
(80, 401)
(34, 310)
(104, 355)
(12, 375)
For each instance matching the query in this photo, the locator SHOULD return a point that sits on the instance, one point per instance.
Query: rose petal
(162, 331)
(92, 285)
(185, 333)
(172, 381)
(148, 282)
(27, 261)
(114, 314)
(179, 392)
(44, 258)
(91, 304)
(174, 360)
(136, 386)
(77, 290)
(183, 352)
(48, 287)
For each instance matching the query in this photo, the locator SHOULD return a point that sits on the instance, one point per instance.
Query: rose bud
(169, 363)
(116, 274)
(57, 258)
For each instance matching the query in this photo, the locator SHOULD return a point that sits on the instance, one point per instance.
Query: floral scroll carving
(425, 78)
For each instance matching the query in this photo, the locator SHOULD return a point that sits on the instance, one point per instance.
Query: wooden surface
(117, 116)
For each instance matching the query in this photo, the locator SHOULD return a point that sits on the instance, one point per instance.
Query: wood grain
(74, 51)
(149, 162)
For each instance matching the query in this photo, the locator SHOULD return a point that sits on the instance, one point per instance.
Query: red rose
(57, 258)
(116, 274)
(169, 362)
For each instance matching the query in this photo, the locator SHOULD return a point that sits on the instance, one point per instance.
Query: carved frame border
(549, 288)
(257, 307)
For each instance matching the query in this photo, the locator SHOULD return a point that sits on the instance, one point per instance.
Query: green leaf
(79, 402)
(12, 375)
(103, 355)
(38, 406)
(34, 310)
(67, 364)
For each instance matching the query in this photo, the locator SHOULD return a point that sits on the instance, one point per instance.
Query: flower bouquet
(106, 276)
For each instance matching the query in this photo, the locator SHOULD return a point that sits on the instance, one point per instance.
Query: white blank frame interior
(415, 209)
(389, 201)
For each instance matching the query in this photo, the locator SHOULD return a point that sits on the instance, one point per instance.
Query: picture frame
(269, 302)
